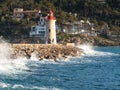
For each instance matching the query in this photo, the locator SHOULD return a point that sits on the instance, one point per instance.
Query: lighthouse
(51, 28)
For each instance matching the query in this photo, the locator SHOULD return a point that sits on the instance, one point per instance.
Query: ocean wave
(4, 85)
(12, 66)
(18, 86)
(90, 51)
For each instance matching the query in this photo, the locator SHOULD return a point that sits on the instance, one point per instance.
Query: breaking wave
(4, 85)
(34, 87)
(19, 86)
(8, 65)
(89, 50)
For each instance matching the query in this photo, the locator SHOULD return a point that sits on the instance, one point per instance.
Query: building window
(42, 33)
(33, 28)
(42, 29)
(41, 20)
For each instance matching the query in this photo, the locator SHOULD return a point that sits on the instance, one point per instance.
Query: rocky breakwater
(45, 51)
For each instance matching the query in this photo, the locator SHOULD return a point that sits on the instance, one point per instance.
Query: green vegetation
(82, 39)
(115, 29)
(65, 11)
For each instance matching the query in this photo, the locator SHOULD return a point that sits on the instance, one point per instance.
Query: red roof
(51, 15)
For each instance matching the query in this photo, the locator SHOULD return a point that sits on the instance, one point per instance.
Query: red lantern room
(51, 15)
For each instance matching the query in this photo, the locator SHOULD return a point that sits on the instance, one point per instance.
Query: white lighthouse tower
(51, 28)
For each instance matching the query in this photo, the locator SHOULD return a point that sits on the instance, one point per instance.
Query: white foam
(19, 86)
(4, 85)
(8, 65)
(34, 56)
(45, 88)
(89, 51)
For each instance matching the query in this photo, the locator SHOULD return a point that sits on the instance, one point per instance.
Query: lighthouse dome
(51, 16)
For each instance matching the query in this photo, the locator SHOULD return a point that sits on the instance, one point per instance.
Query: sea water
(97, 69)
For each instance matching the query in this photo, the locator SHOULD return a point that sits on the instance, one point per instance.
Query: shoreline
(54, 52)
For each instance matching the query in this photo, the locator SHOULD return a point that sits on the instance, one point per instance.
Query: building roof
(28, 11)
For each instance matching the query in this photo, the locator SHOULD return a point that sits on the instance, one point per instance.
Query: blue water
(97, 70)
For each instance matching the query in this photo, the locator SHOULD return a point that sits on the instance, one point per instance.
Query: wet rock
(45, 51)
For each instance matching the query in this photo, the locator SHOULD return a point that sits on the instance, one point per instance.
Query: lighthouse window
(42, 29)
(49, 30)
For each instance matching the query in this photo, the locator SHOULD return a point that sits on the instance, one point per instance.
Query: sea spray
(34, 56)
(8, 65)
(89, 50)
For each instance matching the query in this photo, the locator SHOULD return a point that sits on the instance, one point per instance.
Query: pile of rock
(45, 51)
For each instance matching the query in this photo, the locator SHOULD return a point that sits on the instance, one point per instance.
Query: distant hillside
(98, 11)
(103, 10)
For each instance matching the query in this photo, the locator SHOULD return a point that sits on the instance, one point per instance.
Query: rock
(45, 51)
